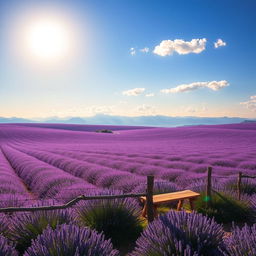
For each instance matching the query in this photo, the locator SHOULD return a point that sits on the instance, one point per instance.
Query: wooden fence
(239, 182)
(209, 189)
(148, 194)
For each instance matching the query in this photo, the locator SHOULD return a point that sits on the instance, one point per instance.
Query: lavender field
(43, 164)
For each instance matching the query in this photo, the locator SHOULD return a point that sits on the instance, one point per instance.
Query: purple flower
(6, 249)
(28, 225)
(71, 240)
(4, 224)
(160, 187)
(242, 242)
(181, 233)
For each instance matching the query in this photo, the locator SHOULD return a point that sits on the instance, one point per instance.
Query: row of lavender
(23, 181)
(54, 175)
(107, 172)
(225, 163)
(100, 175)
(62, 167)
(35, 179)
(61, 178)
(13, 191)
(114, 174)
(183, 162)
(54, 240)
(25, 175)
(226, 152)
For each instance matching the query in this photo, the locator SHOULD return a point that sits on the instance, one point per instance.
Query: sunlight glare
(48, 39)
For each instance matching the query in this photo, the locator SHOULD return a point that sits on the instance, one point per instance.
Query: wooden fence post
(239, 181)
(209, 187)
(149, 197)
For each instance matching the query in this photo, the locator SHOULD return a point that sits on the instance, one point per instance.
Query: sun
(48, 39)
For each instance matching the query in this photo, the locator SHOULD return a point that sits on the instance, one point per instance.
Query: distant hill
(158, 120)
(249, 121)
(15, 120)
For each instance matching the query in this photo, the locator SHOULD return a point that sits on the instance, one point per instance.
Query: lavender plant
(160, 187)
(242, 242)
(180, 233)
(4, 224)
(248, 186)
(70, 240)
(13, 200)
(27, 226)
(117, 218)
(6, 249)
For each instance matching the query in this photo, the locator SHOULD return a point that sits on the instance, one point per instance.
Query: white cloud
(145, 109)
(122, 102)
(134, 92)
(219, 43)
(168, 47)
(99, 110)
(213, 85)
(195, 109)
(132, 51)
(145, 50)
(150, 95)
(82, 111)
(190, 109)
(251, 103)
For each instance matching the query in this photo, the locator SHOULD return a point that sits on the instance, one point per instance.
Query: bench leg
(144, 211)
(155, 211)
(180, 203)
(191, 202)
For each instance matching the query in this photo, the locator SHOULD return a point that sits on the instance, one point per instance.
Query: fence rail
(67, 205)
(209, 185)
(148, 194)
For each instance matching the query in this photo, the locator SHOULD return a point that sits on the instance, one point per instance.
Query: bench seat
(169, 197)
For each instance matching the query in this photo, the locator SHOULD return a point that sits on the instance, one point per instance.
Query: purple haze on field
(47, 159)
(57, 161)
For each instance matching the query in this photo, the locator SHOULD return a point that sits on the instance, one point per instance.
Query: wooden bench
(169, 197)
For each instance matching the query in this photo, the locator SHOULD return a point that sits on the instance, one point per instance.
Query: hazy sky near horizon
(137, 57)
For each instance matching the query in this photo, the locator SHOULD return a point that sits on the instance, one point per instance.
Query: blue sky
(180, 72)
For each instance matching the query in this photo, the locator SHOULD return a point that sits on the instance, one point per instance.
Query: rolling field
(41, 162)
(74, 156)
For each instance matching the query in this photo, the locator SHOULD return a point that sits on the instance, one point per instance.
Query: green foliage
(224, 208)
(117, 220)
